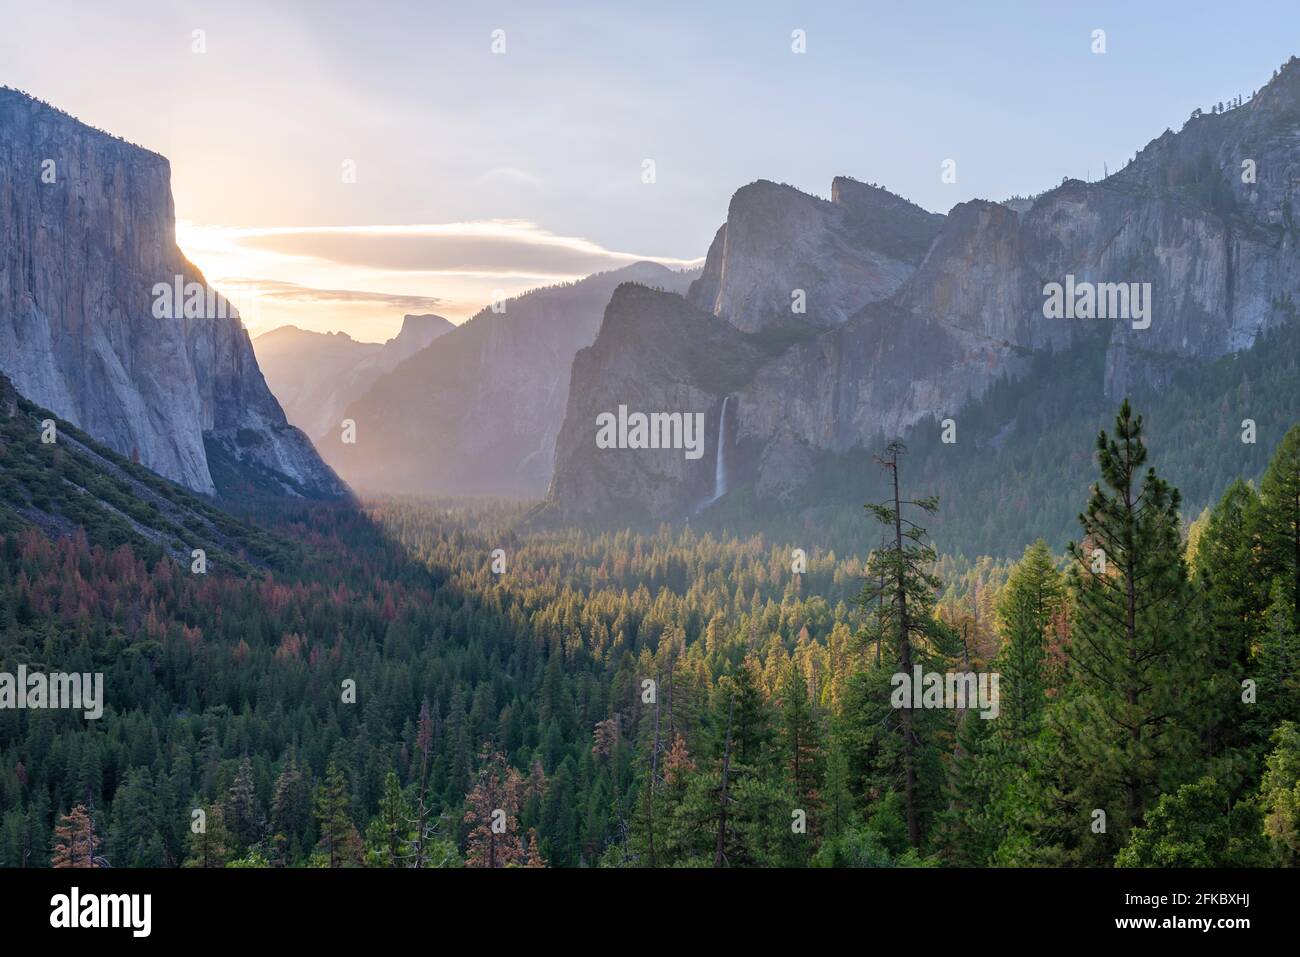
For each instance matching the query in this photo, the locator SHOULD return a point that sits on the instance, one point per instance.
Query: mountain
(89, 273)
(75, 485)
(856, 248)
(316, 376)
(1205, 253)
(479, 413)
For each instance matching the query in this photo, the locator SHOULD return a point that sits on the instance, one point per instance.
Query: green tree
(1197, 826)
(338, 835)
(243, 818)
(900, 593)
(801, 743)
(1232, 600)
(1029, 607)
(209, 840)
(1280, 794)
(133, 838)
(390, 835)
(1126, 732)
(1279, 493)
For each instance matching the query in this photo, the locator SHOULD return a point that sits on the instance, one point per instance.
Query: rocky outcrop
(316, 376)
(1208, 254)
(655, 354)
(479, 411)
(86, 234)
(779, 245)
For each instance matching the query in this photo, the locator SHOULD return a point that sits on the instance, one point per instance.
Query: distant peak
(291, 331)
(412, 323)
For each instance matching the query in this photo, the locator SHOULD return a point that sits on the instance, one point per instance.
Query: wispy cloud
(493, 247)
(361, 279)
(509, 176)
(288, 292)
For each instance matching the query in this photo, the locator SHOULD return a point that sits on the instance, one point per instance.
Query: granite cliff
(87, 233)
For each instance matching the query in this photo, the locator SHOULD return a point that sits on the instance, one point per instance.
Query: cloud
(494, 247)
(288, 292)
(509, 176)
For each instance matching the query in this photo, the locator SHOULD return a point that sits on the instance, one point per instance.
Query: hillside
(76, 484)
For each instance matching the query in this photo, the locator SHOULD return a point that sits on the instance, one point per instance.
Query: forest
(436, 684)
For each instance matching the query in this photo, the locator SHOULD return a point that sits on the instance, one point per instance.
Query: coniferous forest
(440, 685)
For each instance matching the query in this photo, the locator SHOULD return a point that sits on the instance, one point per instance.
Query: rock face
(655, 354)
(86, 232)
(478, 412)
(842, 254)
(316, 376)
(911, 317)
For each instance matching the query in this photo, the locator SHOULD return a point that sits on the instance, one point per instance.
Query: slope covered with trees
(427, 687)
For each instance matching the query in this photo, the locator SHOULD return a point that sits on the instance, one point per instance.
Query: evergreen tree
(1280, 794)
(290, 811)
(1127, 731)
(1276, 666)
(801, 742)
(243, 818)
(390, 836)
(338, 835)
(75, 842)
(900, 591)
(1279, 493)
(209, 840)
(1232, 600)
(133, 838)
(1027, 612)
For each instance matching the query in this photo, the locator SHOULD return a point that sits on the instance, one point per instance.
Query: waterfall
(720, 469)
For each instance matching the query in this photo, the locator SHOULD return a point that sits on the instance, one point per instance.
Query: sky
(337, 165)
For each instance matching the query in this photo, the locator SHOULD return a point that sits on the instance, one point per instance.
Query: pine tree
(1127, 731)
(209, 840)
(493, 809)
(75, 842)
(243, 818)
(1027, 612)
(646, 816)
(1280, 794)
(992, 758)
(901, 590)
(389, 836)
(290, 811)
(1279, 493)
(801, 741)
(338, 835)
(133, 838)
(1232, 595)
(1276, 667)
